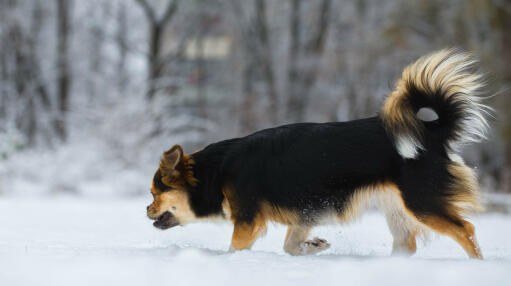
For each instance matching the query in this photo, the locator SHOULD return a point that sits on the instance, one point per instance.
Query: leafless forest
(91, 92)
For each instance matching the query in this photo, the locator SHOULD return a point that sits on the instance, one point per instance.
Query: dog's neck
(206, 197)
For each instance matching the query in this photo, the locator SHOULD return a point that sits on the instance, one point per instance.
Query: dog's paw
(314, 245)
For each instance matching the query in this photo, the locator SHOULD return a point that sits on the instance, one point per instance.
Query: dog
(307, 174)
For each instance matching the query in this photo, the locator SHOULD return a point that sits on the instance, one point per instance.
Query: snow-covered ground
(70, 241)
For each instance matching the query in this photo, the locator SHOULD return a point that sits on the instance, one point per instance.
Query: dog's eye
(173, 208)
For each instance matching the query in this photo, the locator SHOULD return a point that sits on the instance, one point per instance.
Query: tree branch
(264, 52)
(148, 10)
(294, 46)
(169, 12)
(317, 42)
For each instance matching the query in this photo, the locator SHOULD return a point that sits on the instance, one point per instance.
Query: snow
(73, 241)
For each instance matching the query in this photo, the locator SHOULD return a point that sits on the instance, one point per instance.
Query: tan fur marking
(411, 243)
(183, 174)
(389, 198)
(404, 244)
(405, 117)
(278, 214)
(188, 163)
(465, 188)
(365, 198)
(245, 234)
(154, 191)
(267, 212)
(177, 168)
(464, 235)
(295, 236)
(176, 202)
(403, 224)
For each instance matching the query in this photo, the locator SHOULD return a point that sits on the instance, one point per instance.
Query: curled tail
(445, 82)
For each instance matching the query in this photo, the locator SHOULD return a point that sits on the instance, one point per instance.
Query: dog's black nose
(147, 208)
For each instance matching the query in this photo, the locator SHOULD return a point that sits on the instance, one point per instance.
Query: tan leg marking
(464, 234)
(245, 234)
(405, 245)
(295, 236)
(402, 223)
(402, 226)
(296, 242)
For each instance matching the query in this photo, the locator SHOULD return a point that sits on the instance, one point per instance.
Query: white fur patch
(407, 146)
(456, 158)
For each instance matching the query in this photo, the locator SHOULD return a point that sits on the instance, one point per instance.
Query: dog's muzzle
(165, 221)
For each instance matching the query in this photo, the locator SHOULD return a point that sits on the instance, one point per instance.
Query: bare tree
(200, 63)
(4, 78)
(21, 75)
(41, 93)
(248, 36)
(304, 58)
(122, 45)
(258, 62)
(295, 102)
(265, 56)
(63, 66)
(157, 26)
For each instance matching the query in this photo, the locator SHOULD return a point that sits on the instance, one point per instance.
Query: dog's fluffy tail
(446, 82)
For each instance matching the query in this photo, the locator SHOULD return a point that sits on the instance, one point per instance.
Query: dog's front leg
(296, 242)
(245, 234)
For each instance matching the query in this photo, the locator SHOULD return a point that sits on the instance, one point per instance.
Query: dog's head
(171, 205)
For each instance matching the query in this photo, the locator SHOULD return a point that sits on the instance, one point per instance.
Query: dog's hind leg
(296, 242)
(403, 231)
(439, 195)
(401, 224)
(458, 229)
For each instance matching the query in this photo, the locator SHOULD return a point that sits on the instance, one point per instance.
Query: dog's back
(309, 169)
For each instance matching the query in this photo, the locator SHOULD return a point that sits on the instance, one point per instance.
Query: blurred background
(92, 92)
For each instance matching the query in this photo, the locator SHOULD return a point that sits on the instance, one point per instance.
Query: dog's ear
(169, 163)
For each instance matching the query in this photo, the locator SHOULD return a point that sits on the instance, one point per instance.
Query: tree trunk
(295, 103)
(122, 44)
(156, 30)
(64, 73)
(247, 116)
(305, 66)
(27, 122)
(35, 75)
(154, 56)
(4, 77)
(202, 97)
(265, 55)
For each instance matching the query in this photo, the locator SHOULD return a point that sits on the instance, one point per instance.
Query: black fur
(307, 167)
(315, 167)
(158, 183)
(450, 110)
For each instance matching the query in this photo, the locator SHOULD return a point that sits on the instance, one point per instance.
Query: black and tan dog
(307, 174)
